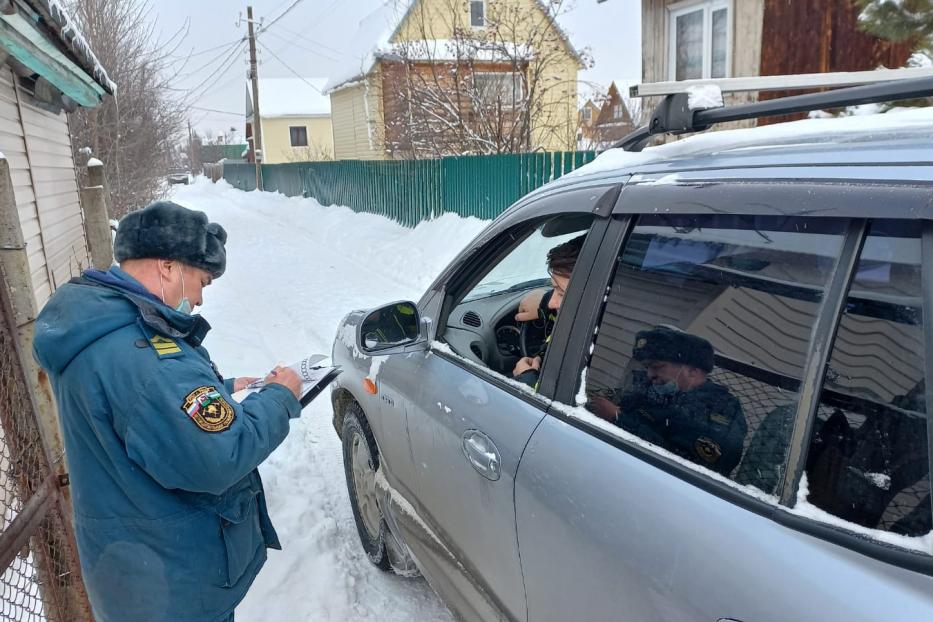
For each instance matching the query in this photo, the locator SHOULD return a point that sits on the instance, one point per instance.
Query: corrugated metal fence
(410, 191)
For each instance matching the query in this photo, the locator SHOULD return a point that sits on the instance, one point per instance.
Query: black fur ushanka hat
(166, 230)
(674, 346)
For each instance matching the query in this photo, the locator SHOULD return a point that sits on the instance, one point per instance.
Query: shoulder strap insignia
(720, 418)
(164, 346)
(208, 409)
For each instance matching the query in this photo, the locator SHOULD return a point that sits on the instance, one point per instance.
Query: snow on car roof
(807, 131)
(291, 97)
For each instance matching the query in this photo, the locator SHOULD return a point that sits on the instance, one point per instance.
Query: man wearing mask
(674, 405)
(170, 514)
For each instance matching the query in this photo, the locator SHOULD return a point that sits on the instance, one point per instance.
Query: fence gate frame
(40, 575)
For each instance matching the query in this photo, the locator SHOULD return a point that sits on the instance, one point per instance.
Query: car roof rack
(675, 115)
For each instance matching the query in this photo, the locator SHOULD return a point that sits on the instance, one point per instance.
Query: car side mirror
(391, 326)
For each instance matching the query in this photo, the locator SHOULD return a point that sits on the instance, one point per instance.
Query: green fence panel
(411, 191)
(241, 176)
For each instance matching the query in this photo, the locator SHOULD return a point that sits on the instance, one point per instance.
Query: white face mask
(184, 306)
(666, 389)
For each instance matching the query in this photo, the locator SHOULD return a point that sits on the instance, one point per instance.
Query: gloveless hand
(286, 377)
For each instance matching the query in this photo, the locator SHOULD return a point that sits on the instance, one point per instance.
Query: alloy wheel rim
(364, 484)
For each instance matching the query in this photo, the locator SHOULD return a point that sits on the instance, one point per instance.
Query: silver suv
(728, 416)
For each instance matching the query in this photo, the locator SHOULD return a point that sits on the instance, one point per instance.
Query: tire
(360, 461)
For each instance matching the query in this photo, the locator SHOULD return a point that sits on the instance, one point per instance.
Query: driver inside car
(543, 305)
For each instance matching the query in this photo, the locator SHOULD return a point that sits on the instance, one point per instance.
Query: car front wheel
(360, 461)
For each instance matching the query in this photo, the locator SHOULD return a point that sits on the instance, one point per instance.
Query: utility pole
(190, 151)
(254, 76)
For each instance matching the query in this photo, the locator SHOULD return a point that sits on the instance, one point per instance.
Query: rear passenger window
(704, 337)
(868, 460)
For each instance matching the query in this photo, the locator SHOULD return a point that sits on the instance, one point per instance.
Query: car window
(525, 266)
(704, 337)
(530, 274)
(868, 458)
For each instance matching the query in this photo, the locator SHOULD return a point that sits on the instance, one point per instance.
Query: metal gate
(41, 577)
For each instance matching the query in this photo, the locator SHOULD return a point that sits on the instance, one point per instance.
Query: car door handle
(482, 454)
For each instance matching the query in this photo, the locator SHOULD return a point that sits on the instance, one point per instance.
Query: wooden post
(94, 204)
(20, 307)
(15, 264)
(258, 155)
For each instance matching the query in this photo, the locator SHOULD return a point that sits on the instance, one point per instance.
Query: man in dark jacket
(170, 515)
(674, 405)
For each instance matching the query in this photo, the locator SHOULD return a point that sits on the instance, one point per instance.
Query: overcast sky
(311, 38)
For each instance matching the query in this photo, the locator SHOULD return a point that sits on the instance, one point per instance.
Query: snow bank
(294, 268)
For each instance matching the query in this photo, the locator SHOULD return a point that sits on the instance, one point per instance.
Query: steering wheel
(532, 336)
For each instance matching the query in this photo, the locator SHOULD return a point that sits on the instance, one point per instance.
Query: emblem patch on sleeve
(708, 449)
(208, 409)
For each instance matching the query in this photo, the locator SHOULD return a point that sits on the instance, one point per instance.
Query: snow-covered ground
(294, 268)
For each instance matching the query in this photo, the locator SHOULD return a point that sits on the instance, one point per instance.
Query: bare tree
(505, 88)
(135, 132)
(311, 153)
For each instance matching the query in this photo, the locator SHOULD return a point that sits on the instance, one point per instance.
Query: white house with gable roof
(296, 120)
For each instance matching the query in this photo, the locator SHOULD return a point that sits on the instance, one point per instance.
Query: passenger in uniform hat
(170, 515)
(674, 405)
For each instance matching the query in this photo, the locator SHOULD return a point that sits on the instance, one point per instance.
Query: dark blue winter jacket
(170, 515)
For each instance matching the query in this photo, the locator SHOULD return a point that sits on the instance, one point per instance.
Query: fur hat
(166, 230)
(673, 346)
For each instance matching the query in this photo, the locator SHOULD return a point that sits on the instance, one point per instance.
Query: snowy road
(294, 269)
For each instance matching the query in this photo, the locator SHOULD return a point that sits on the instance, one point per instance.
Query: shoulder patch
(164, 346)
(208, 409)
(708, 449)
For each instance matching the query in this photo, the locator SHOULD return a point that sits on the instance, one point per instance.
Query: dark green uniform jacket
(170, 515)
(705, 425)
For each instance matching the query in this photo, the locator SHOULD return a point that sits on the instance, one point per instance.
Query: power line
(281, 15)
(210, 62)
(284, 64)
(305, 37)
(216, 47)
(301, 47)
(229, 62)
(235, 114)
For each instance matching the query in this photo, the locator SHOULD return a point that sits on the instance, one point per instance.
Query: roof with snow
(373, 37)
(63, 25)
(289, 97)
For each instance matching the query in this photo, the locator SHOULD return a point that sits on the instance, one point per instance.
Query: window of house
(298, 136)
(617, 111)
(477, 13)
(868, 460)
(499, 88)
(587, 114)
(704, 336)
(699, 40)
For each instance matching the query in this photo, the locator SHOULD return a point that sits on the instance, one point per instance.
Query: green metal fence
(410, 191)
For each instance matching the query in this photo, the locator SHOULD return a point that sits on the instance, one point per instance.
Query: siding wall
(37, 146)
(352, 125)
